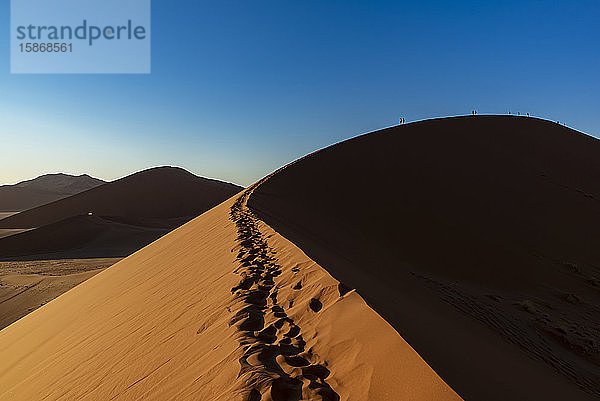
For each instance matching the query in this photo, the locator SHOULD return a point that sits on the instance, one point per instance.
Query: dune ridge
(282, 339)
(172, 322)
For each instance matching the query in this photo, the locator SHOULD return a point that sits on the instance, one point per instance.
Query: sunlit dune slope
(162, 192)
(223, 308)
(476, 238)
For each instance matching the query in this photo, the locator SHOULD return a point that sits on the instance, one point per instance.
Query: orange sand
(158, 325)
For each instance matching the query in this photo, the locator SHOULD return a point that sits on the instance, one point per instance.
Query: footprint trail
(275, 364)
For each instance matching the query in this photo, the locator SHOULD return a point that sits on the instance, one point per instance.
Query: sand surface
(25, 286)
(475, 238)
(223, 308)
(84, 237)
(7, 232)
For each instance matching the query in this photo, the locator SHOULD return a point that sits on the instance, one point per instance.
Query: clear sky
(240, 88)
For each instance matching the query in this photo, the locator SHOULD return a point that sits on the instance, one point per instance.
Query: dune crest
(475, 237)
(223, 308)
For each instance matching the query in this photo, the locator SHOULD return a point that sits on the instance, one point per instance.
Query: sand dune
(163, 192)
(44, 189)
(81, 237)
(223, 308)
(476, 238)
(473, 237)
(7, 232)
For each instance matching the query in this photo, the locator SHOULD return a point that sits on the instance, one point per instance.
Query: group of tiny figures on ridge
(402, 120)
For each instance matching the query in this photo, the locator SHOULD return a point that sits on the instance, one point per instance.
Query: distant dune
(476, 238)
(162, 192)
(44, 189)
(81, 237)
(8, 232)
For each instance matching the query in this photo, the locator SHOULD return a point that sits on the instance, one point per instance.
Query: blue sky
(241, 88)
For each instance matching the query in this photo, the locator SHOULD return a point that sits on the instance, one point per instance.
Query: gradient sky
(241, 88)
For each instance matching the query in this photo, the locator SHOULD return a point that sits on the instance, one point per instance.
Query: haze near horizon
(230, 99)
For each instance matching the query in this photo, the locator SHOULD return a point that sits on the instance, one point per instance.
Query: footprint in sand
(263, 351)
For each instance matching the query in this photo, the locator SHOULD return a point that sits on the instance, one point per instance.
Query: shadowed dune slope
(44, 189)
(476, 238)
(162, 192)
(80, 237)
(222, 308)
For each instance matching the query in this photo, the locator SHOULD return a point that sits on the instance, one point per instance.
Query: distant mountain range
(44, 189)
